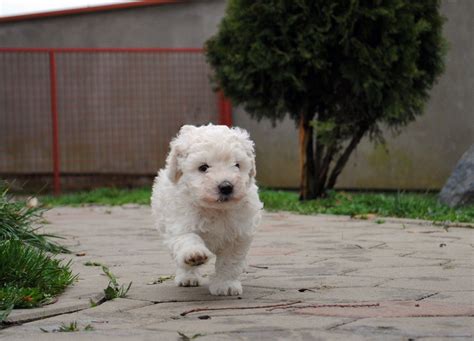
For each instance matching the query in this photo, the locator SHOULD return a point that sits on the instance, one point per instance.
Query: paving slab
(353, 294)
(414, 327)
(170, 293)
(437, 284)
(309, 278)
(250, 322)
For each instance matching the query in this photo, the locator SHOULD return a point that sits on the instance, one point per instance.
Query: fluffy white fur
(194, 217)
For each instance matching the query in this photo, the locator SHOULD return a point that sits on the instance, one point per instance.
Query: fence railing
(70, 111)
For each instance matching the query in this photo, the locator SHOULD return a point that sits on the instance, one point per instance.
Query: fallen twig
(160, 279)
(258, 266)
(239, 308)
(331, 306)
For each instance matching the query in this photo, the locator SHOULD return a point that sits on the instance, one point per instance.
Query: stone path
(309, 277)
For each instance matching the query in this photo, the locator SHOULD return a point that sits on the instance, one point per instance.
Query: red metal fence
(67, 112)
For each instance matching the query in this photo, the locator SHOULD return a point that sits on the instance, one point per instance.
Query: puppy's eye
(237, 165)
(203, 168)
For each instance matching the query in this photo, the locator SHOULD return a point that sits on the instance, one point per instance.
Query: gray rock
(459, 189)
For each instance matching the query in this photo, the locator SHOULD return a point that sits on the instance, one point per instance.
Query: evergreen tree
(340, 68)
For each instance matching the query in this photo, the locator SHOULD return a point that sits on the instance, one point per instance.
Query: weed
(68, 328)
(89, 263)
(93, 303)
(114, 290)
(184, 337)
(88, 328)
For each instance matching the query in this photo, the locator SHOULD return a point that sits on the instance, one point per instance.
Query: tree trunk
(318, 166)
(323, 171)
(307, 171)
(316, 175)
(341, 162)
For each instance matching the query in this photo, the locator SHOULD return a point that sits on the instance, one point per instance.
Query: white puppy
(205, 202)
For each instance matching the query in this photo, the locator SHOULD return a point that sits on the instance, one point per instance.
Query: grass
(29, 277)
(402, 205)
(358, 204)
(100, 196)
(18, 221)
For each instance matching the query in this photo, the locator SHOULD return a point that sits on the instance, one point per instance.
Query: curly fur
(196, 220)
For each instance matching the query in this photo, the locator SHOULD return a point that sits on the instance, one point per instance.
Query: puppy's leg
(189, 251)
(230, 263)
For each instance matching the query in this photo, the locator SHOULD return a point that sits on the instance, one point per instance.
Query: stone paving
(309, 277)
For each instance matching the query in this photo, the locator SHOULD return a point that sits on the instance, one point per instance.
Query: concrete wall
(173, 25)
(422, 157)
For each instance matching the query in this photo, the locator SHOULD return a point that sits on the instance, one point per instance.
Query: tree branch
(306, 144)
(341, 162)
(184, 313)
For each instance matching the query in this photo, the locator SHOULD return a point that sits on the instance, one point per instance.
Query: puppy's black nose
(226, 188)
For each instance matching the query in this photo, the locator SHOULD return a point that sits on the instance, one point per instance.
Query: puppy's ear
(253, 169)
(177, 149)
(248, 146)
(174, 173)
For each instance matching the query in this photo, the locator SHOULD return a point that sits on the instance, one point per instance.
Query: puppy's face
(214, 165)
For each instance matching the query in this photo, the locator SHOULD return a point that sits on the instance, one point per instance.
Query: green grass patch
(402, 205)
(29, 277)
(100, 196)
(18, 221)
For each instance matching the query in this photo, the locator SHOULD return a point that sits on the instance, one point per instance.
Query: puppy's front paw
(188, 280)
(196, 257)
(225, 288)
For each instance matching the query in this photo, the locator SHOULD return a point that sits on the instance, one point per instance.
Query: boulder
(459, 189)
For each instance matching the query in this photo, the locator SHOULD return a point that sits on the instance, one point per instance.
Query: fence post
(225, 110)
(54, 122)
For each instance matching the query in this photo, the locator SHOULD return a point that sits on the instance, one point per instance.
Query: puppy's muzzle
(225, 190)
